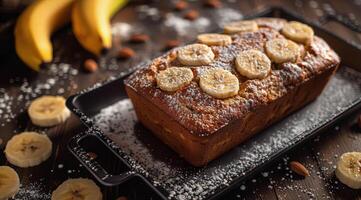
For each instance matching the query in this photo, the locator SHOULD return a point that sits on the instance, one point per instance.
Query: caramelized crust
(200, 117)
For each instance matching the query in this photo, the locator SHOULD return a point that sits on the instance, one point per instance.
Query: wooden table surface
(65, 76)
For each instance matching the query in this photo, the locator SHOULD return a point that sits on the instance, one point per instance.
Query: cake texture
(238, 86)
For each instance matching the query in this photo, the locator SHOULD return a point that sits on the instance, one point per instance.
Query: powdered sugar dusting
(226, 15)
(32, 191)
(124, 30)
(59, 75)
(183, 26)
(181, 181)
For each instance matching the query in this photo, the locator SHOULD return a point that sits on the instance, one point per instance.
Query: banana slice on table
(214, 39)
(195, 54)
(48, 111)
(298, 32)
(253, 64)
(348, 169)
(282, 50)
(174, 78)
(9, 182)
(240, 26)
(219, 83)
(79, 189)
(28, 149)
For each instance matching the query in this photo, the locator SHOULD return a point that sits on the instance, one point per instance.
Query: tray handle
(353, 25)
(94, 167)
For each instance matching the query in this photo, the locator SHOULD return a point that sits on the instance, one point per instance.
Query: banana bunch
(91, 25)
(34, 28)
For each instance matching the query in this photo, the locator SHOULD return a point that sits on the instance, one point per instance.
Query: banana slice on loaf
(195, 55)
(214, 39)
(48, 111)
(79, 189)
(174, 78)
(219, 83)
(240, 26)
(298, 32)
(253, 64)
(28, 149)
(282, 50)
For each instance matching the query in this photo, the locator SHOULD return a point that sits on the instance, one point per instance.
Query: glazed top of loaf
(203, 114)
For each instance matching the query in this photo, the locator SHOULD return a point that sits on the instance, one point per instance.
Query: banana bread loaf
(205, 98)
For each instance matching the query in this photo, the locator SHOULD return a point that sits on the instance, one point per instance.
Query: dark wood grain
(278, 182)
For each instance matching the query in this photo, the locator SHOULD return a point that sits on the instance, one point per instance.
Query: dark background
(19, 85)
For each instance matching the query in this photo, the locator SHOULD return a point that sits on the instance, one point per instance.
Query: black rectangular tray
(133, 152)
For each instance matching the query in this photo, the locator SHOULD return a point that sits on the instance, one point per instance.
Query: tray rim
(217, 193)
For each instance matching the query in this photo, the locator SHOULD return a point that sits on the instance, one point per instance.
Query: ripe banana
(174, 78)
(219, 83)
(34, 28)
(214, 39)
(348, 169)
(298, 32)
(91, 23)
(253, 64)
(9, 182)
(28, 149)
(48, 111)
(79, 189)
(282, 50)
(195, 54)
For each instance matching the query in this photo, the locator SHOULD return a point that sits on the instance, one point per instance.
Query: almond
(139, 38)
(191, 15)
(126, 53)
(170, 44)
(213, 3)
(90, 65)
(1, 141)
(122, 198)
(299, 168)
(181, 5)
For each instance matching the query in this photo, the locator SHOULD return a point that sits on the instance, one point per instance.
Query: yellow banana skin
(34, 28)
(91, 23)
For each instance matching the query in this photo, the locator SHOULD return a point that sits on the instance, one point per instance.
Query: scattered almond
(213, 3)
(170, 44)
(299, 168)
(139, 38)
(181, 5)
(90, 65)
(1, 141)
(122, 198)
(92, 155)
(126, 53)
(359, 121)
(191, 15)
